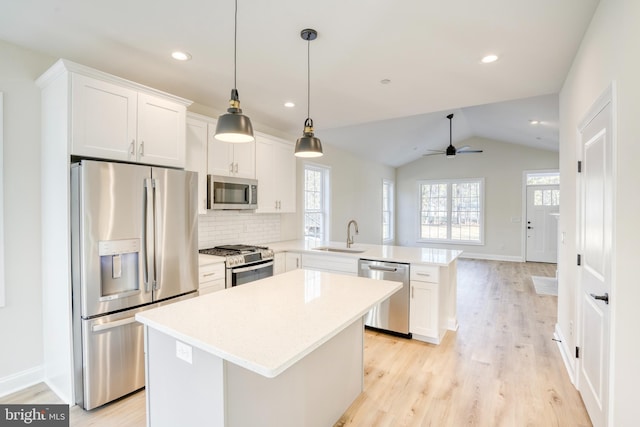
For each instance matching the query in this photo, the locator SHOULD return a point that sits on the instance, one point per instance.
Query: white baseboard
(565, 352)
(491, 257)
(21, 380)
(452, 323)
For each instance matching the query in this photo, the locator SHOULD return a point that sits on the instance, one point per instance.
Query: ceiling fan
(451, 151)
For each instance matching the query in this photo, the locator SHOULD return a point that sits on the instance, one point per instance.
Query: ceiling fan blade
(468, 151)
(433, 154)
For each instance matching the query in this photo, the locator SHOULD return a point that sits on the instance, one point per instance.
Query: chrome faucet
(349, 237)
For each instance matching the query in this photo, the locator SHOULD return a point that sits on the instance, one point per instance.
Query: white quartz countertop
(204, 259)
(405, 254)
(268, 325)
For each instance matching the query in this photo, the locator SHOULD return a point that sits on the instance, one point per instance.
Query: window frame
(325, 210)
(391, 202)
(449, 182)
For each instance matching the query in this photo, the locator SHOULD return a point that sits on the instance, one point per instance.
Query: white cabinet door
(196, 157)
(220, 156)
(161, 131)
(276, 175)
(279, 263)
(423, 310)
(267, 202)
(104, 119)
(284, 164)
(244, 157)
(293, 261)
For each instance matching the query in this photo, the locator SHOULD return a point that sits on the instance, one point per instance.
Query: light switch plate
(184, 352)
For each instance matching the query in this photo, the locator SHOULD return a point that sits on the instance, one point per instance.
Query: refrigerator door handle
(147, 237)
(154, 269)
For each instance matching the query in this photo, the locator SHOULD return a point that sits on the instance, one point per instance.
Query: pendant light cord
(308, 77)
(235, 45)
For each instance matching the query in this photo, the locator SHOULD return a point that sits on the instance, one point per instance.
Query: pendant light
(234, 126)
(308, 145)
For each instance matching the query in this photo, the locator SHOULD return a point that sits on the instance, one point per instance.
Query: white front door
(595, 231)
(542, 227)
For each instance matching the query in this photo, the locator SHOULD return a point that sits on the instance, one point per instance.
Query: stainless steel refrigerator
(134, 247)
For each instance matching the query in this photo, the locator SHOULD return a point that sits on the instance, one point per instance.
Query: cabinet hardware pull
(236, 168)
(132, 147)
(423, 274)
(231, 167)
(208, 274)
(412, 292)
(142, 149)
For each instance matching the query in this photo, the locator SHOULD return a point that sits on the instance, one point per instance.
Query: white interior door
(542, 227)
(595, 230)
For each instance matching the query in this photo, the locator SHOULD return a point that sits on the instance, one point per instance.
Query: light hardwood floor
(501, 368)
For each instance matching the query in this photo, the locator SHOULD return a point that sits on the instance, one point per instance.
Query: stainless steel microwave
(231, 193)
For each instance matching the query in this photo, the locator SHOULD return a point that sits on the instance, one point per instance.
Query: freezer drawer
(113, 358)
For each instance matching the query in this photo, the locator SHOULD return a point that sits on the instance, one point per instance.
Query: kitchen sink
(335, 249)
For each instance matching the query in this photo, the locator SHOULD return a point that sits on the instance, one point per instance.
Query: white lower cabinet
(211, 278)
(331, 264)
(279, 263)
(427, 306)
(293, 261)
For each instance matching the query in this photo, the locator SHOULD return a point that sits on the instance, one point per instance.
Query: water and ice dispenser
(119, 266)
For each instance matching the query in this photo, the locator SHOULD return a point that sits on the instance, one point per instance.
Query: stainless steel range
(245, 263)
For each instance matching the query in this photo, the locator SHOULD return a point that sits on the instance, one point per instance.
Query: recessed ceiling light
(181, 56)
(385, 81)
(489, 59)
(534, 122)
(289, 104)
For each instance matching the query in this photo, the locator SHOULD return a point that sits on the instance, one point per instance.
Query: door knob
(604, 297)
(529, 227)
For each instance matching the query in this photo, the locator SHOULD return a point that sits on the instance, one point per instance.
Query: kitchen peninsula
(281, 351)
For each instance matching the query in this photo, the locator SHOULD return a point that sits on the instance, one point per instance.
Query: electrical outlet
(184, 352)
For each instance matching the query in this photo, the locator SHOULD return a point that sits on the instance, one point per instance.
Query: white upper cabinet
(161, 131)
(115, 119)
(276, 175)
(229, 159)
(104, 119)
(197, 130)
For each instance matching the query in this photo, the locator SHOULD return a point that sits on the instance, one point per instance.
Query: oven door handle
(252, 267)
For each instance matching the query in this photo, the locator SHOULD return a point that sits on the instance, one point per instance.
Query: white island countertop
(268, 325)
(404, 254)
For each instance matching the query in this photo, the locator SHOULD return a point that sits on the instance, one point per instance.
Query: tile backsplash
(237, 227)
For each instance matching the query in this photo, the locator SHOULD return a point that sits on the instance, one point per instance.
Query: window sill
(452, 242)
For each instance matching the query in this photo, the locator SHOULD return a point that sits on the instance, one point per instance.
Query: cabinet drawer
(425, 273)
(213, 286)
(211, 272)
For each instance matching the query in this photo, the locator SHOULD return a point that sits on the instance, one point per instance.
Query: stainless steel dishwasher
(391, 315)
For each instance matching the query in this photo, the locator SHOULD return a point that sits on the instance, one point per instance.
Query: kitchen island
(281, 351)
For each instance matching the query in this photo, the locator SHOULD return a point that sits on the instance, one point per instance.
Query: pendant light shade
(233, 126)
(308, 145)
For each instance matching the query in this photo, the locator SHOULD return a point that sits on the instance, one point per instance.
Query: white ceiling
(430, 50)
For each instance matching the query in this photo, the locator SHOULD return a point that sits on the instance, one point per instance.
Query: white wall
(356, 193)
(501, 165)
(609, 51)
(21, 356)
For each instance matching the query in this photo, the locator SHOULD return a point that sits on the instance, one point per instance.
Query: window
(316, 202)
(452, 211)
(387, 210)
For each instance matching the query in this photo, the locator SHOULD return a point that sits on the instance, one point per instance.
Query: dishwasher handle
(382, 268)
